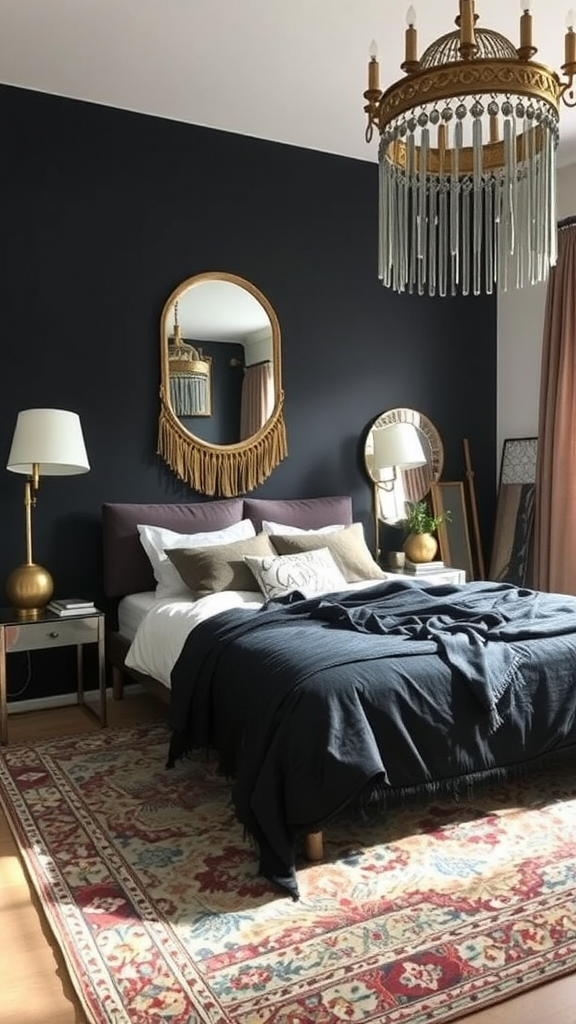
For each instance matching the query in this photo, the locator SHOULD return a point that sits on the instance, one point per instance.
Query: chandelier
(467, 159)
(189, 372)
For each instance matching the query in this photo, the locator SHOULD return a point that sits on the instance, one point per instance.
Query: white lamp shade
(397, 445)
(51, 439)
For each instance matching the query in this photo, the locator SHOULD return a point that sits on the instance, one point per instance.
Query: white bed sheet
(160, 636)
(132, 610)
(162, 632)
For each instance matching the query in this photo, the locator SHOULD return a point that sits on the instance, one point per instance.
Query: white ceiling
(219, 311)
(291, 71)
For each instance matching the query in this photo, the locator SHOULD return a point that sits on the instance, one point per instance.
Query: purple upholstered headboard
(126, 566)
(307, 513)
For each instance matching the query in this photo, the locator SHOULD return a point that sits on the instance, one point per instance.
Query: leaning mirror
(395, 485)
(221, 427)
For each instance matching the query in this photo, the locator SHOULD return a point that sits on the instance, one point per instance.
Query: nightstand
(436, 578)
(17, 634)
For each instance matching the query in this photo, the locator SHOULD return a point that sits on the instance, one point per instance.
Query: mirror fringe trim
(223, 471)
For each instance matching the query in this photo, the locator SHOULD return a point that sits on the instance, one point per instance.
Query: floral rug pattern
(151, 890)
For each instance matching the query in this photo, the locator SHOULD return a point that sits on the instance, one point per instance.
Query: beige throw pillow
(347, 547)
(220, 566)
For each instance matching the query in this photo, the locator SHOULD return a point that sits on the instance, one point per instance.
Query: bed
(334, 687)
(128, 576)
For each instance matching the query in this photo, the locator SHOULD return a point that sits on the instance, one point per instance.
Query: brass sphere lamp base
(29, 587)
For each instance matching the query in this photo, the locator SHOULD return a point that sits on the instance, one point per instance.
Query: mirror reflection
(231, 332)
(221, 394)
(396, 485)
(190, 373)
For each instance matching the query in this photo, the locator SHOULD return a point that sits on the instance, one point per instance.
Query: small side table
(445, 575)
(49, 630)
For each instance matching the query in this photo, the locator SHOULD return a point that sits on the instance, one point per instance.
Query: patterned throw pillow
(311, 572)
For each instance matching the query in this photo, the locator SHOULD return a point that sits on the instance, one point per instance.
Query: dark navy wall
(105, 212)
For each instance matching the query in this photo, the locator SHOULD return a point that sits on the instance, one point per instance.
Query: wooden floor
(34, 985)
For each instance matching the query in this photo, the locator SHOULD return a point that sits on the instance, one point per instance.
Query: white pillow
(157, 539)
(278, 528)
(311, 572)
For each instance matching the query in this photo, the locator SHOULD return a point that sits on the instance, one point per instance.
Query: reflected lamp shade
(396, 445)
(50, 439)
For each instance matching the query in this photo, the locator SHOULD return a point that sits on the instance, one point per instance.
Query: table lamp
(46, 442)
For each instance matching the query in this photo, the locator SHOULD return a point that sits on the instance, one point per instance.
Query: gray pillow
(347, 547)
(220, 566)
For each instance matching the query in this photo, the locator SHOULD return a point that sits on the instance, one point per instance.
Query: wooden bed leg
(313, 846)
(117, 683)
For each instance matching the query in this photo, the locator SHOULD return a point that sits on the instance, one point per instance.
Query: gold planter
(420, 547)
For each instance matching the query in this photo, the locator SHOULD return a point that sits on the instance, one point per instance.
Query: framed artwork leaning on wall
(511, 559)
(453, 534)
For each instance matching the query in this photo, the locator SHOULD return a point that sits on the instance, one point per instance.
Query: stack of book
(421, 568)
(71, 606)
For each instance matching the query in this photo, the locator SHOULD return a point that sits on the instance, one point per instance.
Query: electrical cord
(27, 680)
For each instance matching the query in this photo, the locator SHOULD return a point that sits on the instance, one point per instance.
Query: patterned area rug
(150, 889)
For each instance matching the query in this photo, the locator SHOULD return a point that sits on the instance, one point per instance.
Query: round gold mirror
(221, 424)
(397, 485)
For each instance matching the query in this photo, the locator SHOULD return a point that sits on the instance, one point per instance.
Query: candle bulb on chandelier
(570, 40)
(373, 68)
(526, 25)
(411, 50)
(467, 23)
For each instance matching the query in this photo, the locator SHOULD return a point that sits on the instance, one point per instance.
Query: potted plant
(420, 524)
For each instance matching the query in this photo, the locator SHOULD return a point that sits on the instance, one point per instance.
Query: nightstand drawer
(30, 636)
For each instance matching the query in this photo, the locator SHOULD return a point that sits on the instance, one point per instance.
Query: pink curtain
(555, 517)
(417, 482)
(257, 398)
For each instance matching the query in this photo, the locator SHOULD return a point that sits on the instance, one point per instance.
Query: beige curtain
(257, 398)
(555, 519)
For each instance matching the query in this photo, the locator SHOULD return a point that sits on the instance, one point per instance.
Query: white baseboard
(59, 700)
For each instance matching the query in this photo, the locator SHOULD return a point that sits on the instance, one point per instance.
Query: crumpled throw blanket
(473, 627)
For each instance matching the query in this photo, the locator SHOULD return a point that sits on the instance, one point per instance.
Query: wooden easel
(473, 509)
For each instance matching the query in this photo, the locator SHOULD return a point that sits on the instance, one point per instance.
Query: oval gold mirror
(397, 485)
(221, 426)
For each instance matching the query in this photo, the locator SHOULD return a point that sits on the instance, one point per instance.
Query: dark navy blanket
(312, 703)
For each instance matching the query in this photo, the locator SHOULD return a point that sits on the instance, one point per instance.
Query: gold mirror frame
(215, 469)
(416, 482)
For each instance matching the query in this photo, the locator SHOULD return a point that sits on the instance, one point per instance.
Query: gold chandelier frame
(499, 76)
(477, 118)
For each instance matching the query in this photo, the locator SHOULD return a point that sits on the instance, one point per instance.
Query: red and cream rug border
(150, 889)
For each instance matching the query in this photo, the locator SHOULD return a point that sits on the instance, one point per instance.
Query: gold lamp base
(29, 587)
